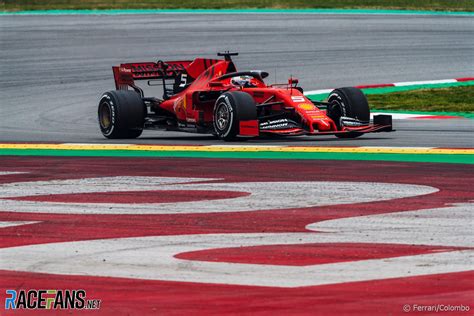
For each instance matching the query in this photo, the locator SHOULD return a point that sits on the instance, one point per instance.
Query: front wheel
(230, 109)
(348, 102)
(121, 114)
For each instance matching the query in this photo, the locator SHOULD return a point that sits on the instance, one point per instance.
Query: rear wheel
(121, 114)
(231, 108)
(348, 102)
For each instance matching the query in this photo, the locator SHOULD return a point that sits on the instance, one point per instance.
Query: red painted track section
(137, 297)
(134, 197)
(125, 296)
(309, 254)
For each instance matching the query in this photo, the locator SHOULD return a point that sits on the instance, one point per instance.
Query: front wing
(381, 123)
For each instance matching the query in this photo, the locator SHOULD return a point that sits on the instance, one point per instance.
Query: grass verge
(429, 5)
(453, 99)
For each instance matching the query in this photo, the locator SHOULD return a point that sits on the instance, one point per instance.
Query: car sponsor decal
(306, 106)
(298, 98)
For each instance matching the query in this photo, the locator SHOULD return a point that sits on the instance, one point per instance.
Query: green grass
(435, 158)
(431, 5)
(454, 99)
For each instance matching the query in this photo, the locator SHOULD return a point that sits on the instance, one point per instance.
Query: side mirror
(293, 81)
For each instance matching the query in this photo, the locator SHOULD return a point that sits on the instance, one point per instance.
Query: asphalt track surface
(54, 68)
(233, 236)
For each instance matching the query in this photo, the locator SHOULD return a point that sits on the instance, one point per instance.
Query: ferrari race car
(210, 96)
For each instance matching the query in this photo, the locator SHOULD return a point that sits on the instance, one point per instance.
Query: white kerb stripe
(318, 91)
(412, 83)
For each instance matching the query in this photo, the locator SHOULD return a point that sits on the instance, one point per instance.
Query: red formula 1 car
(210, 96)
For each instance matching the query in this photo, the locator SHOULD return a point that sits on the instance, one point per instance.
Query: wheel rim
(222, 117)
(105, 115)
(337, 108)
(336, 112)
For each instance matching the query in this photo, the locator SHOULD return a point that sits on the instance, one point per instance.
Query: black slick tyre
(121, 114)
(348, 102)
(229, 110)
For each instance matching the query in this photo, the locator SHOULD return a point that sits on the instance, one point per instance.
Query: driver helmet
(242, 81)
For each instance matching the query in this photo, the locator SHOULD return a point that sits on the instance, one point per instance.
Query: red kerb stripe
(380, 85)
(465, 79)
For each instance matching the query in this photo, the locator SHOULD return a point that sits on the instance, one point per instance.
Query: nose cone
(322, 124)
(316, 119)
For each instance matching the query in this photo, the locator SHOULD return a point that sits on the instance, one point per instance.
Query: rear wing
(126, 74)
